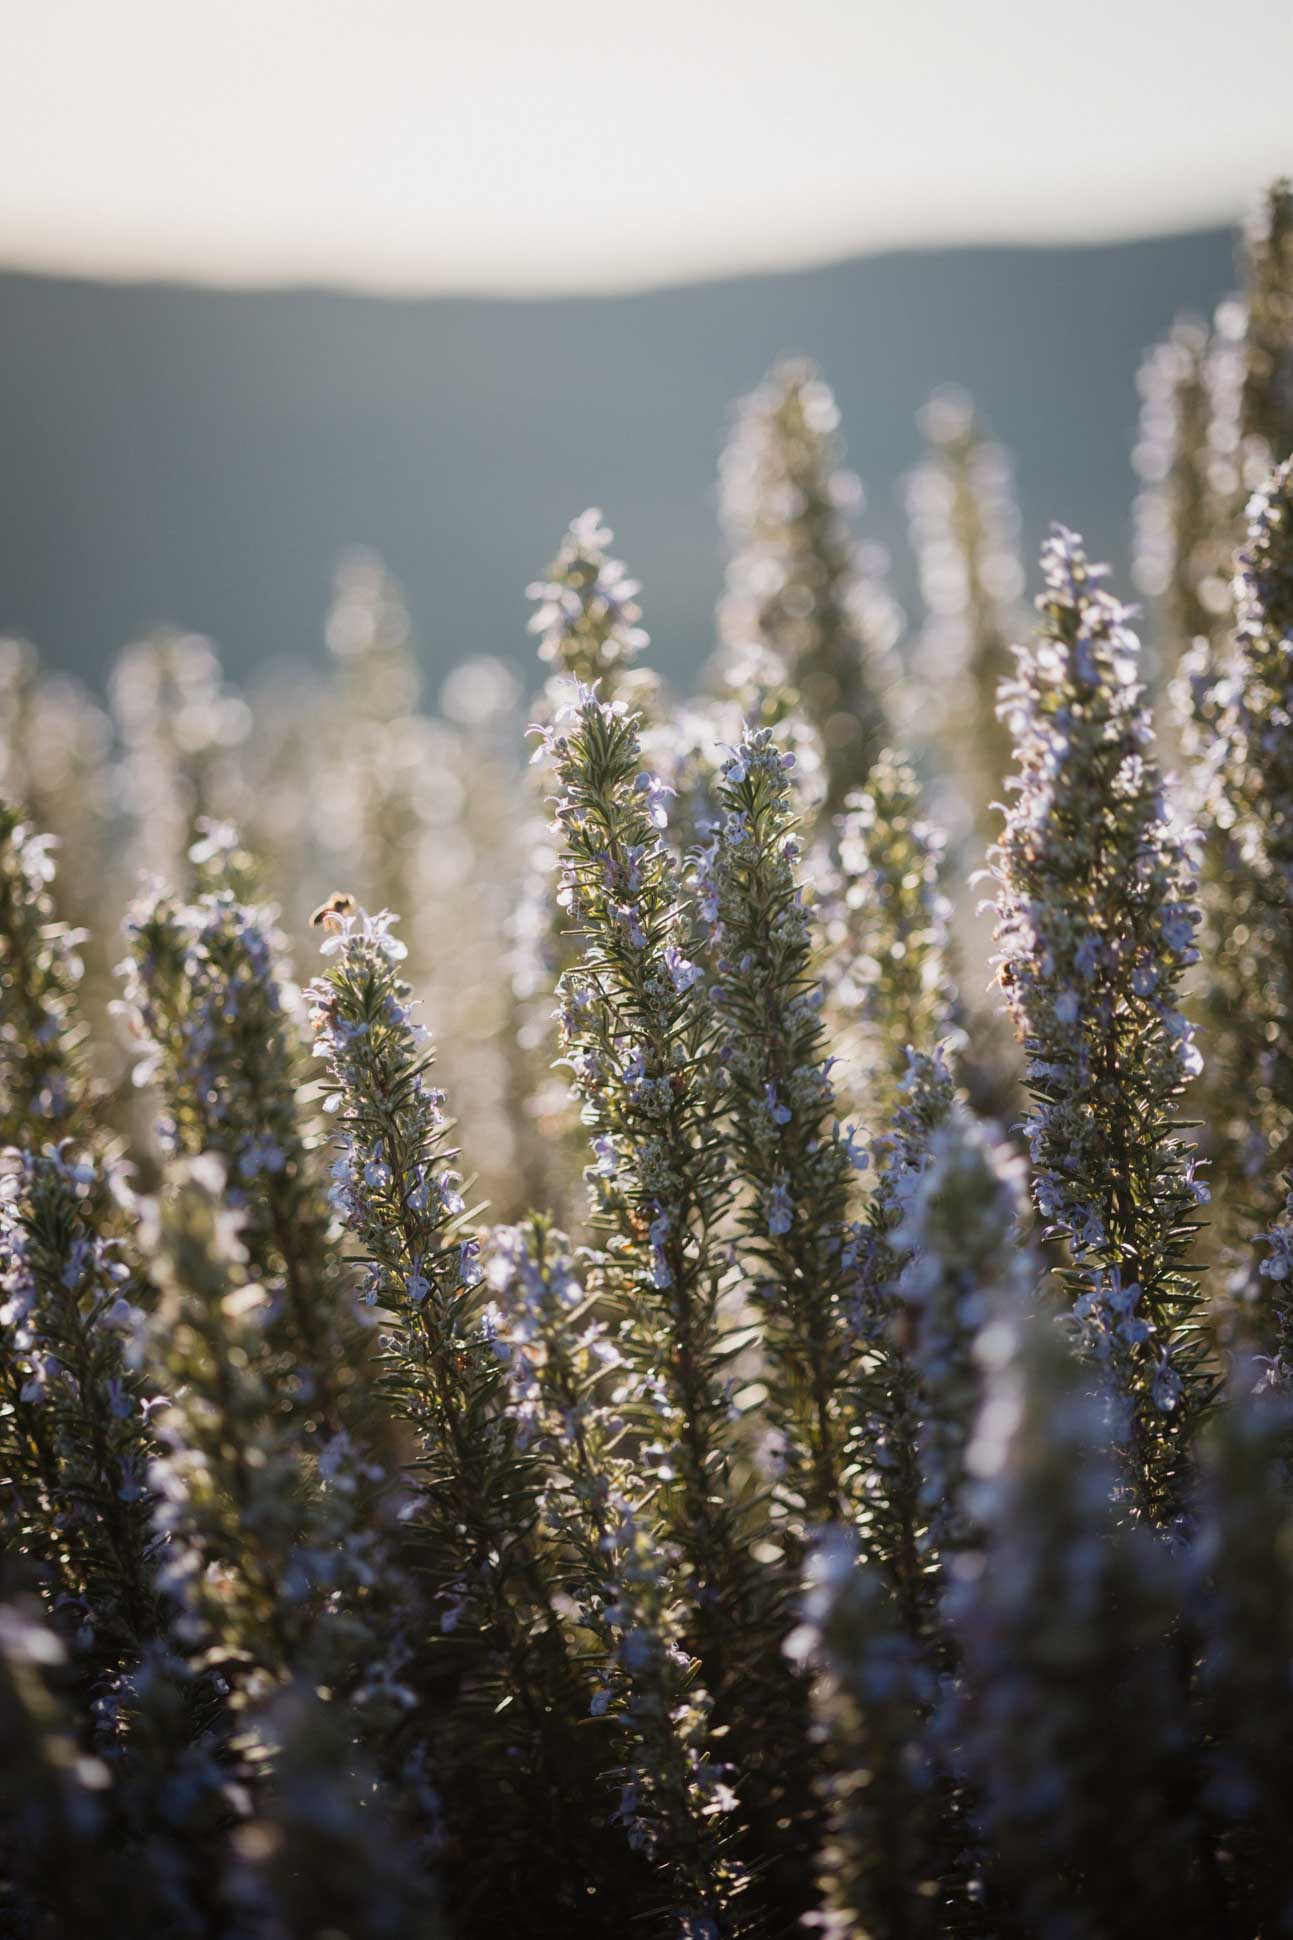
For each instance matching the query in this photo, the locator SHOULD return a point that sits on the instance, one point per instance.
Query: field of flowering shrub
(706, 1345)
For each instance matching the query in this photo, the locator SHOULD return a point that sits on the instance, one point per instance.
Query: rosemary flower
(884, 1445)
(489, 1632)
(944, 1263)
(1250, 886)
(205, 997)
(568, 1385)
(879, 1870)
(258, 1541)
(640, 1032)
(1096, 923)
(1182, 535)
(588, 617)
(965, 527)
(800, 586)
(801, 1249)
(42, 1080)
(676, 1804)
(674, 1797)
(963, 1215)
(394, 1185)
(887, 926)
(588, 620)
(1268, 1287)
(1266, 408)
(1065, 1614)
(75, 1440)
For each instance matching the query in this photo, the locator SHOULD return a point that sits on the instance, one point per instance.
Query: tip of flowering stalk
(1272, 498)
(356, 926)
(1065, 566)
(217, 839)
(590, 528)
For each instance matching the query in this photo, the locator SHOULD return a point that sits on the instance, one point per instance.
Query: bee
(331, 914)
(1006, 977)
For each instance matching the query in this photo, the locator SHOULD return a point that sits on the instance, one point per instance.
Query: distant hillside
(204, 456)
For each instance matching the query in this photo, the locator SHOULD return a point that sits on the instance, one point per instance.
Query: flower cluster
(1266, 410)
(899, 1842)
(965, 527)
(887, 1421)
(588, 617)
(42, 1084)
(963, 1215)
(1181, 551)
(644, 1037)
(675, 1803)
(1249, 889)
(1267, 1286)
(1096, 928)
(788, 1148)
(75, 1436)
(800, 587)
(205, 996)
(572, 1393)
(1063, 1609)
(639, 1028)
(492, 1648)
(887, 929)
(260, 1544)
(873, 1691)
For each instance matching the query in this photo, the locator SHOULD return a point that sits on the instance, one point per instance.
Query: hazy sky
(517, 145)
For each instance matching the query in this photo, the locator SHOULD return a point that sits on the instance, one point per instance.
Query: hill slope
(205, 455)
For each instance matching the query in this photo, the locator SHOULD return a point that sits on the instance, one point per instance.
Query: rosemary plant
(42, 1077)
(1096, 926)
(800, 586)
(801, 1247)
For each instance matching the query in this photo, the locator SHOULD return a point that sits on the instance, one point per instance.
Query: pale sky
(513, 145)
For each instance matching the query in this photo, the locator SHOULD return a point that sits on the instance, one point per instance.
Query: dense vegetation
(846, 1476)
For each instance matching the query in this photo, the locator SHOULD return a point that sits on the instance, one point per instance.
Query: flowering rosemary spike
(485, 1625)
(1249, 881)
(42, 1079)
(965, 527)
(1066, 1607)
(1266, 410)
(800, 586)
(588, 618)
(205, 996)
(800, 1246)
(887, 923)
(75, 1442)
(1095, 923)
(640, 1031)
(880, 1870)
